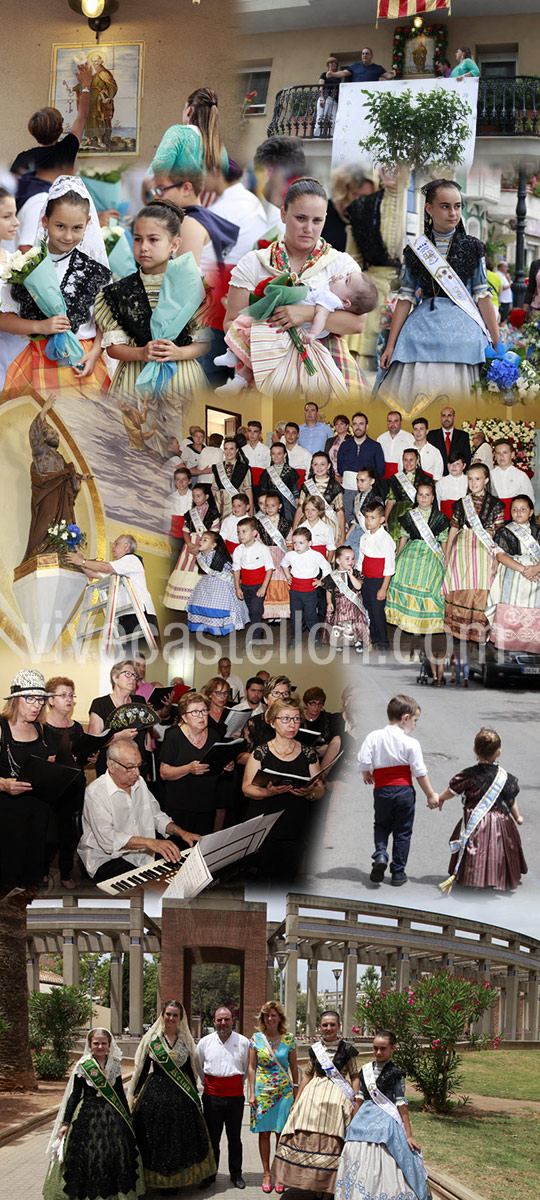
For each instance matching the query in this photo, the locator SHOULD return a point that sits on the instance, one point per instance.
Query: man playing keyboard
(121, 818)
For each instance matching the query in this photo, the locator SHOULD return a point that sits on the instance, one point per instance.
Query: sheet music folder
(222, 848)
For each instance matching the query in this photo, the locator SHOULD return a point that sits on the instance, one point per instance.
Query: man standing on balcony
(365, 71)
(328, 100)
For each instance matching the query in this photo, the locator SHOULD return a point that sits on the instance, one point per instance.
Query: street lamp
(337, 973)
(282, 957)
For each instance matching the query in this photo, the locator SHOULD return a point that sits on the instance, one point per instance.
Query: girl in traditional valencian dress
(414, 602)
(93, 1151)
(470, 555)
(213, 606)
(436, 347)
(76, 248)
(202, 516)
(124, 313)
(513, 605)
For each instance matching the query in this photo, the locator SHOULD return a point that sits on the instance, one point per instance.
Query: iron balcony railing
(506, 108)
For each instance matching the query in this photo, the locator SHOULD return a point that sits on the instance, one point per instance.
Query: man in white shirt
(251, 703)
(482, 451)
(240, 206)
(223, 1060)
(393, 443)
(298, 456)
(121, 818)
(191, 455)
(125, 561)
(430, 458)
(507, 480)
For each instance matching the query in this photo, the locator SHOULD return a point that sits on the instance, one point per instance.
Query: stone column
(270, 967)
(158, 993)
(511, 1008)
(402, 971)
(349, 989)
(311, 1004)
(32, 968)
(291, 979)
(70, 952)
(116, 992)
(486, 1021)
(136, 959)
(531, 1032)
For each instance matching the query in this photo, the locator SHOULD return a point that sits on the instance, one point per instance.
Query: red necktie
(448, 442)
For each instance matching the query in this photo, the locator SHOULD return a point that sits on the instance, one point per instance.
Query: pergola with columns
(323, 929)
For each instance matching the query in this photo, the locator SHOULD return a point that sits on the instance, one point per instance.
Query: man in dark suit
(450, 440)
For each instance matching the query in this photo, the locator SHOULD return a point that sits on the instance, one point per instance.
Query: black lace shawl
(364, 216)
(332, 489)
(131, 308)
(464, 256)
(289, 477)
(509, 542)
(490, 514)
(343, 1055)
(437, 523)
(283, 528)
(238, 477)
(82, 281)
(220, 558)
(210, 516)
(387, 1080)
(397, 492)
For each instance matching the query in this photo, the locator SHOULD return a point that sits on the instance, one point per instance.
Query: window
(256, 79)
(498, 64)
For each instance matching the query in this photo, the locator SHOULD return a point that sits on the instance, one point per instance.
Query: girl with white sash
(167, 1114)
(485, 844)
(414, 602)
(436, 347)
(470, 555)
(381, 1159)
(513, 605)
(213, 606)
(231, 476)
(347, 622)
(309, 1148)
(402, 489)
(321, 481)
(92, 1148)
(273, 531)
(201, 517)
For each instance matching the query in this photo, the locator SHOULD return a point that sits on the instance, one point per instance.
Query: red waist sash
(256, 473)
(392, 776)
(223, 1085)
(231, 546)
(372, 568)
(177, 525)
(390, 469)
(252, 577)
(321, 550)
(301, 476)
(447, 507)
(507, 505)
(302, 585)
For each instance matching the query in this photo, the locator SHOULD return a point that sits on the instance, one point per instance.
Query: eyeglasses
(126, 766)
(196, 712)
(289, 720)
(63, 696)
(160, 191)
(130, 674)
(36, 700)
(281, 695)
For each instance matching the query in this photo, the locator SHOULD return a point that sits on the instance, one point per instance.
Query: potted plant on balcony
(429, 132)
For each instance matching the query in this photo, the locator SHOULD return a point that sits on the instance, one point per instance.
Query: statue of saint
(419, 56)
(55, 484)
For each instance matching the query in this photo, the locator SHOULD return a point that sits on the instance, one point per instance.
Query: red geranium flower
(260, 289)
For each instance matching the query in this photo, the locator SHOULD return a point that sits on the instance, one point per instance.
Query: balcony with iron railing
(506, 108)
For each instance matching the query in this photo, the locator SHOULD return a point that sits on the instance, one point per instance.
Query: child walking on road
(389, 759)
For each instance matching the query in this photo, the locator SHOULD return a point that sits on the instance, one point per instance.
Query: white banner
(353, 125)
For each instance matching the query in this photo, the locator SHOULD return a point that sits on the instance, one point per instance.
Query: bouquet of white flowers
(36, 272)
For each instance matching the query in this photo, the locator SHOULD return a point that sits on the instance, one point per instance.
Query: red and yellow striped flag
(395, 10)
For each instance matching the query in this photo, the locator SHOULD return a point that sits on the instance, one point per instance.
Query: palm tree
(16, 1067)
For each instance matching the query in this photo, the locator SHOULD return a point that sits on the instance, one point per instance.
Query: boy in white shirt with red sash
(302, 567)
(252, 570)
(389, 759)
(377, 562)
(229, 526)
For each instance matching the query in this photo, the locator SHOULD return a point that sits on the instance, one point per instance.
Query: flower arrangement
(520, 433)
(111, 235)
(510, 374)
(403, 33)
(22, 265)
(64, 536)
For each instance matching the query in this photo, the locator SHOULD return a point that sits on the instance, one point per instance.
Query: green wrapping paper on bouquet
(270, 294)
(180, 295)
